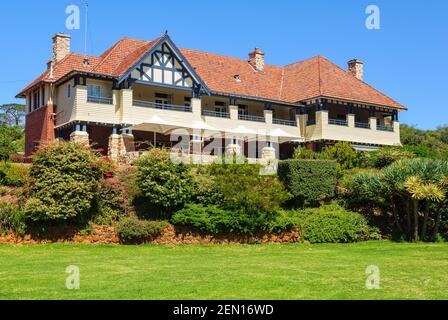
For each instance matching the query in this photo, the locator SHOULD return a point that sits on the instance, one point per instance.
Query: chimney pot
(61, 46)
(256, 59)
(356, 68)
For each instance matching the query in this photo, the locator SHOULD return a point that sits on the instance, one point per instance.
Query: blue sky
(406, 58)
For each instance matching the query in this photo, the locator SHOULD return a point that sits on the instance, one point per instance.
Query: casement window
(69, 91)
(43, 97)
(36, 98)
(243, 110)
(94, 90)
(162, 98)
(220, 106)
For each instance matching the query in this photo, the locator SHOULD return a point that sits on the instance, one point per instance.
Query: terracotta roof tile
(312, 78)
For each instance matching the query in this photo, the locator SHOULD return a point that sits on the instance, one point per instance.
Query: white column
(233, 148)
(351, 120)
(268, 116)
(322, 117)
(196, 107)
(233, 110)
(372, 121)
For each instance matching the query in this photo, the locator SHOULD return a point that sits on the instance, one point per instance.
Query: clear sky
(406, 58)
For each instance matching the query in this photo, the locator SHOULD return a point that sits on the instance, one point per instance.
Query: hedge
(309, 181)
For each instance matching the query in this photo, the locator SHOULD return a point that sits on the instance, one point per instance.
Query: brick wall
(39, 128)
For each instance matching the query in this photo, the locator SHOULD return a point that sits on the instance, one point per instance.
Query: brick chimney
(61, 46)
(356, 68)
(256, 59)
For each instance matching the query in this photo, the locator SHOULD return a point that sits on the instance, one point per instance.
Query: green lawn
(408, 271)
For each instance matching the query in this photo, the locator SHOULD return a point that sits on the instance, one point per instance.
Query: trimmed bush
(133, 230)
(112, 202)
(241, 187)
(164, 183)
(333, 224)
(309, 181)
(214, 220)
(63, 183)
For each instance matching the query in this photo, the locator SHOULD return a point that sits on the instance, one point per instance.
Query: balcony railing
(385, 128)
(101, 100)
(362, 125)
(216, 114)
(338, 122)
(162, 106)
(282, 122)
(311, 122)
(251, 118)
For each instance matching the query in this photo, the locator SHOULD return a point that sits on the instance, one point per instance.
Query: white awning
(360, 147)
(155, 124)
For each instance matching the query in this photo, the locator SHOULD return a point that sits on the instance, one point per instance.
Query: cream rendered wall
(65, 106)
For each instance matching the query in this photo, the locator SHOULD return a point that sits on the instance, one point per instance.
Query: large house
(137, 92)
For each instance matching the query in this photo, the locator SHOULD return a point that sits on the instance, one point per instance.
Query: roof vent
(86, 62)
(237, 78)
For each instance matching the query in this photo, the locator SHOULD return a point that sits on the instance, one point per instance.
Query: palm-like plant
(421, 191)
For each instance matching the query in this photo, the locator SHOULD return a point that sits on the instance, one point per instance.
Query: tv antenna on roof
(86, 20)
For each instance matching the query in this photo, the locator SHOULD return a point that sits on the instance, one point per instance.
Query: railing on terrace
(362, 125)
(149, 104)
(291, 123)
(338, 122)
(385, 128)
(101, 100)
(216, 114)
(251, 118)
(311, 122)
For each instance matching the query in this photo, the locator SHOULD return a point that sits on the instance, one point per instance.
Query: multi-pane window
(220, 106)
(94, 90)
(243, 110)
(162, 98)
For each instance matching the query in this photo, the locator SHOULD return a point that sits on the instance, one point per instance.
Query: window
(162, 98)
(187, 101)
(69, 91)
(43, 97)
(220, 106)
(94, 90)
(243, 110)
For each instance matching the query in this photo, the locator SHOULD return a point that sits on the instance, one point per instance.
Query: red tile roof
(308, 79)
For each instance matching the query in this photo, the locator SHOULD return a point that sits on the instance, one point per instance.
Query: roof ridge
(365, 83)
(300, 61)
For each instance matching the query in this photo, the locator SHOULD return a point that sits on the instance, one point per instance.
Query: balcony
(311, 122)
(362, 125)
(385, 128)
(161, 106)
(337, 122)
(100, 100)
(216, 114)
(282, 122)
(251, 118)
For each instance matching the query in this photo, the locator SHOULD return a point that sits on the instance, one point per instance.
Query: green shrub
(304, 153)
(346, 157)
(112, 202)
(361, 189)
(11, 219)
(214, 220)
(333, 224)
(63, 183)
(14, 174)
(242, 187)
(162, 182)
(385, 156)
(133, 230)
(309, 181)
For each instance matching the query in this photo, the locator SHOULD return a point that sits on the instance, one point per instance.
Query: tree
(12, 114)
(11, 140)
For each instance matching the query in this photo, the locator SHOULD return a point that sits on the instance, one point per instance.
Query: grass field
(408, 271)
